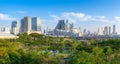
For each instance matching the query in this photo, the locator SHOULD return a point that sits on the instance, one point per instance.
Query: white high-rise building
(100, 31)
(77, 32)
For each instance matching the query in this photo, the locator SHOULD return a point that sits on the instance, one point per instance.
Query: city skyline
(89, 14)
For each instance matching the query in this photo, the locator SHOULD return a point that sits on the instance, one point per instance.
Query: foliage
(40, 49)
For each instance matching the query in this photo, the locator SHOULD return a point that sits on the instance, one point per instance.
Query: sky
(86, 14)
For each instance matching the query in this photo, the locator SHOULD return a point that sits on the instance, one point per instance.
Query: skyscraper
(14, 27)
(25, 25)
(109, 30)
(71, 27)
(114, 30)
(84, 32)
(66, 25)
(36, 24)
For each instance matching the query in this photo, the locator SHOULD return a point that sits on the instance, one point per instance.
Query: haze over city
(89, 14)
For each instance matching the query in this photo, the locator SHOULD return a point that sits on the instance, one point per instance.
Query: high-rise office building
(25, 25)
(36, 24)
(14, 27)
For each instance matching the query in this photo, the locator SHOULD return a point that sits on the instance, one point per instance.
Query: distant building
(5, 29)
(48, 31)
(71, 27)
(114, 30)
(88, 33)
(77, 32)
(66, 24)
(106, 30)
(62, 29)
(100, 31)
(4, 35)
(14, 27)
(109, 30)
(36, 24)
(61, 25)
(84, 32)
(25, 25)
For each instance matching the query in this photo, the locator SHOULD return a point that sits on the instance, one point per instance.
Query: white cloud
(55, 17)
(21, 12)
(76, 16)
(117, 18)
(100, 19)
(6, 17)
(79, 17)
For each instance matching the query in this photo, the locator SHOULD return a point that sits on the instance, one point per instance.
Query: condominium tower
(36, 24)
(25, 25)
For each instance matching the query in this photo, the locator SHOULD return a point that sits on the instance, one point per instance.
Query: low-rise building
(4, 35)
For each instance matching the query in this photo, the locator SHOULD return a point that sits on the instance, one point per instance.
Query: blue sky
(89, 14)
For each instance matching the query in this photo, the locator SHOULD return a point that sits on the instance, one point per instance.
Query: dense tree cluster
(40, 49)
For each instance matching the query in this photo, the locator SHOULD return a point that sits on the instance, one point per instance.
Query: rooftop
(4, 35)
